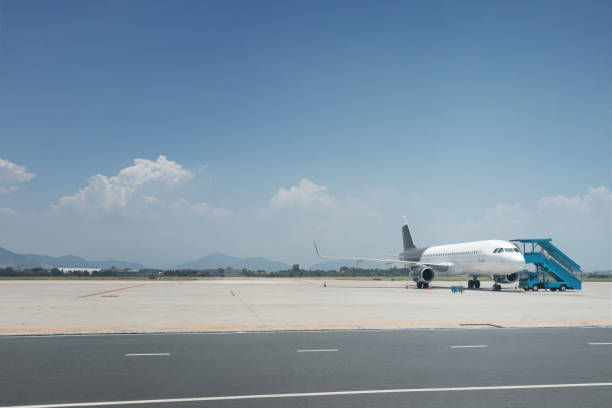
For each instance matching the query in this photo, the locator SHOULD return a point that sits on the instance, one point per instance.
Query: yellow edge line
(345, 324)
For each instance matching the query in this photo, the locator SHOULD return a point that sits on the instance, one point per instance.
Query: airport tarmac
(494, 367)
(213, 305)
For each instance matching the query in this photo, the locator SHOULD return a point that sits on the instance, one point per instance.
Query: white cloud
(145, 171)
(200, 209)
(107, 193)
(551, 214)
(205, 209)
(7, 211)
(151, 200)
(12, 174)
(306, 195)
(596, 199)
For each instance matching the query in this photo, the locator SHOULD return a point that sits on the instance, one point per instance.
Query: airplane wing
(384, 261)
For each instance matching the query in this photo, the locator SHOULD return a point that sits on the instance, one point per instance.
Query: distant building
(296, 268)
(73, 269)
(150, 272)
(127, 272)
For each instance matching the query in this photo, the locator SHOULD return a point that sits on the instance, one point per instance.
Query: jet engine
(510, 278)
(422, 274)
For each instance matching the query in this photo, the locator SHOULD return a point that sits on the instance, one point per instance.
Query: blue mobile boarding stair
(554, 269)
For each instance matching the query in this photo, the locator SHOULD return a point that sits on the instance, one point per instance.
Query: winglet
(316, 249)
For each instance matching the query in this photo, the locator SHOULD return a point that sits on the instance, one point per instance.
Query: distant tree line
(600, 275)
(30, 272)
(55, 272)
(194, 273)
(10, 272)
(343, 271)
(219, 272)
(294, 272)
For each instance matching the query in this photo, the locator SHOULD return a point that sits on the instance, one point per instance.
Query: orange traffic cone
(430, 286)
(516, 286)
(324, 284)
(407, 286)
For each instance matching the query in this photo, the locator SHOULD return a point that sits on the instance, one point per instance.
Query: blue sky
(475, 119)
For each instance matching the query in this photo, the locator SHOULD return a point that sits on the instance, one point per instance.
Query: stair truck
(554, 269)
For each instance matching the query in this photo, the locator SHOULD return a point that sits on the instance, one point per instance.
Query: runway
(497, 367)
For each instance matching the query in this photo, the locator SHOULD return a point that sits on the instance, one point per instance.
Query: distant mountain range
(25, 261)
(219, 260)
(212, 261)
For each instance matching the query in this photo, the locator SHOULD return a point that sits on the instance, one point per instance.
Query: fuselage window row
(452, 253)
(500, 250)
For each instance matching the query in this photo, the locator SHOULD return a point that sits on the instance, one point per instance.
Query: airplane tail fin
(408, 244)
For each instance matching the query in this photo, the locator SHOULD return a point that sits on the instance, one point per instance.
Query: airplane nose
(514, 262)
(519, 261)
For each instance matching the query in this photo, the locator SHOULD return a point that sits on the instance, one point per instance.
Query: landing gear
(422, 285)
(419, 285)
(473, 284)
(496, 287)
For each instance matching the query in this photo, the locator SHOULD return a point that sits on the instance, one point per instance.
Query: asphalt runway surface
(496, 367)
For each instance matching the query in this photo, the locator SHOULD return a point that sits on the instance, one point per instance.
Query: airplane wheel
(425, 285)
(419, 285)
(563, 288)
(470, 284)
(477, 284)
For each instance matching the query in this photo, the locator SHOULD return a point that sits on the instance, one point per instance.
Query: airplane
(500, 260)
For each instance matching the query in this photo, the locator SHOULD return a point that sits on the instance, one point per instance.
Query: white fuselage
(478, 258)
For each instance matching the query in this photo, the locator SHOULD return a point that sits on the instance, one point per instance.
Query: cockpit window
(508, 250)
(495, 250)
(516, 250)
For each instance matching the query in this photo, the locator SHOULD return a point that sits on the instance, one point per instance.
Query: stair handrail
(551, 258)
